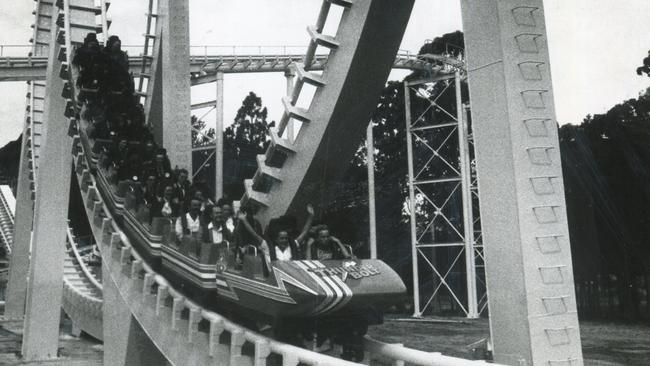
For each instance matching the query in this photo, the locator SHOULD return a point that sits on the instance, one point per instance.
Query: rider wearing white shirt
(217, 230)
(190, 223)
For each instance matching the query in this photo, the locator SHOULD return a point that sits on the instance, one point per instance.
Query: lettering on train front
(355, 271)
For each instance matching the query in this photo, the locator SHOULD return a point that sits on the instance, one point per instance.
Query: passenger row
(130, 154)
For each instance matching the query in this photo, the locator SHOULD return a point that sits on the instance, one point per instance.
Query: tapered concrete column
(290, 75)
(43, 310)
(219, 138)
(19, 262)
(176, 102)
(533, 316)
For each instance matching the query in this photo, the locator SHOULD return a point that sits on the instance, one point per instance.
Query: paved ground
(603, 344)
(73, 351)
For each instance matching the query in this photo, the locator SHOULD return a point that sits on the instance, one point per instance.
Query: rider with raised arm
(248, 232)
(282, 247)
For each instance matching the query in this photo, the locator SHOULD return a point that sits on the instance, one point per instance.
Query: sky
(594, 45)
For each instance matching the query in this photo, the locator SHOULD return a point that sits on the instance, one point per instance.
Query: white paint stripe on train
(332, 284)
(328, 292)
(347, 292)
(346, 289)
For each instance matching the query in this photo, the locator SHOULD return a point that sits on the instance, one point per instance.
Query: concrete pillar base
(125, 342)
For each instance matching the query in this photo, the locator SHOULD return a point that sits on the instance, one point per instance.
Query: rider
(325, 246)
(281, 246)
(216, 232)
(190, 223)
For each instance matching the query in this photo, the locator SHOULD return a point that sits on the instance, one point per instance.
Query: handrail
(262, 50)
(413, 356)
(82, 264)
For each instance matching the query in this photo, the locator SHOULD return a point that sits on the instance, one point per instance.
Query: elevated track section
(203, 68)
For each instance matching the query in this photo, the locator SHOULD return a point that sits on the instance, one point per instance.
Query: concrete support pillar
(125, 342)
(290, 75)
(19, 262)
(219, 138)
(372, 213)
(533, 317)
(43, 309)
(176, 101)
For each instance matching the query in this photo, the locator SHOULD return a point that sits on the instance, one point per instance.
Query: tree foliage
(248, 135)
(244, 139)
(645, 68)
(607, 183)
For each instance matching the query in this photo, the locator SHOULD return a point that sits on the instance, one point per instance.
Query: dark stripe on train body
(181, 272)
(180, 263)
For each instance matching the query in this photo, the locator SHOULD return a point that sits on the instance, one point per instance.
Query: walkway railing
(22, 50)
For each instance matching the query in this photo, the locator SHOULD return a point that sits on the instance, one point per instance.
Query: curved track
(82, 292)
(182, 330)
(7, 217)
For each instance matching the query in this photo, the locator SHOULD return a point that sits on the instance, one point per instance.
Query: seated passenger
(182, 188)
(282, 247)
(118, 157)
(206, 202)
(88, 59)
(118, 78)
(148, 152)
(190, 223)
(226, 209)
(170, 207)
(150, 196)
(160, 167)
(216, 231)
(248, 232)
(325, 246)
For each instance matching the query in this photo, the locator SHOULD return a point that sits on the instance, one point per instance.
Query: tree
(645, 69)
(607, 186)
(244, 139)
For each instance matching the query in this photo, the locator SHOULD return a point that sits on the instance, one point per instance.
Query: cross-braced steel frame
(443, 199)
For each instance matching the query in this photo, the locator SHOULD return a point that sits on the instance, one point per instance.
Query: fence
(608, 297)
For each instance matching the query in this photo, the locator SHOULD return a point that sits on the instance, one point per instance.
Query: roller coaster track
(7, 218)
(82, 292)
(181, 329)
(82, 299)
(203, 68)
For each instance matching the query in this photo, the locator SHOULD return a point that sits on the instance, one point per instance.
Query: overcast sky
(595, 47)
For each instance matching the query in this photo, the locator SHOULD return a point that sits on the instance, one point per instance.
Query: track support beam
(170, 108)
